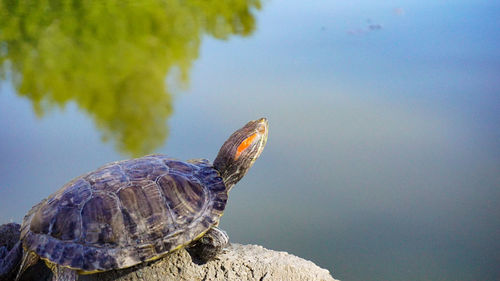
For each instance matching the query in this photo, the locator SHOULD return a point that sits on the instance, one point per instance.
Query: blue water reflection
(383, 154)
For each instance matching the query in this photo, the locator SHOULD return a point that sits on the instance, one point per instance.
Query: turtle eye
(244, 145)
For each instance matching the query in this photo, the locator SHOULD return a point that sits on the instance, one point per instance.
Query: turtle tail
(9, 261)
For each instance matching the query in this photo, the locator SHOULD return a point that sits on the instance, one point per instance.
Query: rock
(9, 234)
(237, 262)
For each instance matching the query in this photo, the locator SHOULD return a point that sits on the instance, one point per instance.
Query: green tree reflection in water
(112, 57)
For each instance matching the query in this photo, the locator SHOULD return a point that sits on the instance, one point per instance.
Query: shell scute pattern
(102, 222)
(126, 212)
(138, 170)
(108, 178)
(180, 167)
(70, 218)
(76, 194)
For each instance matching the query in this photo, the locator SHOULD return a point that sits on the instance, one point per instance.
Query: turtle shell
(125, 213)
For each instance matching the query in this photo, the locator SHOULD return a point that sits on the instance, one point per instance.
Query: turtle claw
(209, 246)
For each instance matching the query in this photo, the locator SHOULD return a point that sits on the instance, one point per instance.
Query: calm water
(383, 159)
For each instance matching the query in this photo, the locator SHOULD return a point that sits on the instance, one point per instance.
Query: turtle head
(240, 151)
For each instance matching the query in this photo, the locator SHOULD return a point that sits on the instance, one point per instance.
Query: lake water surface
(383, 158)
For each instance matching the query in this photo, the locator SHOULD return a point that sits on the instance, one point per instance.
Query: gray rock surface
(9, 234)
(237, 262)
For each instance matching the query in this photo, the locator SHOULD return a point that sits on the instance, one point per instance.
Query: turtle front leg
(209, 246)
(60, 273)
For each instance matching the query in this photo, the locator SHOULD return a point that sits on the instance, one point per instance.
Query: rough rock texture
(237, 262)
(9, 234)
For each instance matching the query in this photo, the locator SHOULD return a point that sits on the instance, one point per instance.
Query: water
(383, 158)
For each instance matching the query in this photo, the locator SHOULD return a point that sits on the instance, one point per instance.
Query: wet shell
(125, 213)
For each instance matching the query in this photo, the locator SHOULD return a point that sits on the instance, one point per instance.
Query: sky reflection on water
(383, 158)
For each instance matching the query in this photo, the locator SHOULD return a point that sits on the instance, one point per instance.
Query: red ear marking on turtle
(244, 145)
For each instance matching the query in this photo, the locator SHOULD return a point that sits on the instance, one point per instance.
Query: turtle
(133, 211)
